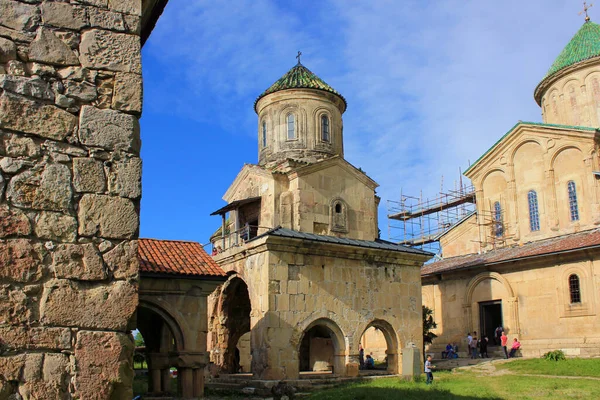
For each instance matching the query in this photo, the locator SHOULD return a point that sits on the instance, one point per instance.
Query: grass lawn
(568, 367)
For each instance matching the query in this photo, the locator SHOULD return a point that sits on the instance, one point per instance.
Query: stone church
(528, 259)
(307, 272)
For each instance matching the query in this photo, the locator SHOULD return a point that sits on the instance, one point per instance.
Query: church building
(528, 258)
(307, 273)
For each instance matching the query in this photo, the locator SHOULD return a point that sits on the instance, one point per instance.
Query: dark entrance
(490, 317)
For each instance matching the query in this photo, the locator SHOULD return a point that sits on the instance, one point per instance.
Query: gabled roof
(539, 248)
(372, 244)
(173, 257)
(583, 46)
(300, 77)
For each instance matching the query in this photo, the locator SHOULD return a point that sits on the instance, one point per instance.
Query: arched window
(291, 129)
(573, 209)
(338, 216)
(534, 216)
(574, 289)
(264, 134)
(325, 128)
(498, 228)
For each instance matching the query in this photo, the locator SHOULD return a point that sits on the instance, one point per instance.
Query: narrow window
(574, 210)
(338, 208)
(291, 132)
(325, 128)
(498, 229)
(534, 216)
(574, 289)
(264, 134)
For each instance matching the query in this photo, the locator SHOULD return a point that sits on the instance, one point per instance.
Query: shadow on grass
(415, 392)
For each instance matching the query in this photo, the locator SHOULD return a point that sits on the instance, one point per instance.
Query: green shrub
(556, 355)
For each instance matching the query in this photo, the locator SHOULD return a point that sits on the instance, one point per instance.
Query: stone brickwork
(70, 186)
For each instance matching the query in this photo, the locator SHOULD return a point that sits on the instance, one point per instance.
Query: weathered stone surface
(97, 3)
(107, 20)
(33, 87)
(48, 48)
(8, 50)
(63, 15)
(108, 217)
(15, 67)
(20, 114)
(2, 186)
(82, 91)
(125, 177)
(46, 377)
(126, 6)
(109, 129)
(11, 367)
(78, 261)
(133, 23)
(109, 50)
(13, 165)
(18, 305)
(56, 226)
(41, 70)
(78, 74)
(21, 260)
(67, 303)
(21, 146)
(127, 95)
(19, 16)
(64, 148)
(88, 175)
(36, 338)
(18, 36)
(122, 261)
(13, 222)
(104, 365)
(42, 187)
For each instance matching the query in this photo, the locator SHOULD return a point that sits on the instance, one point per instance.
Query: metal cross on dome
(298, 56)
(585, 10)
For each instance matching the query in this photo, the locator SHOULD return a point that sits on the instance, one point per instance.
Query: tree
(428, 325)
(139, 340)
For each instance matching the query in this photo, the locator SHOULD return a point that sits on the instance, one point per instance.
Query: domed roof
(584, 45)
(300, 77)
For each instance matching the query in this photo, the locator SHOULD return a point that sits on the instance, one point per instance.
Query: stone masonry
(70, 186)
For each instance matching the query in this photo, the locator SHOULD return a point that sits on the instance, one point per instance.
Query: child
(428, 368)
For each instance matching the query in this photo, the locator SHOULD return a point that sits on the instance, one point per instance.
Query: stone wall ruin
(70, 186)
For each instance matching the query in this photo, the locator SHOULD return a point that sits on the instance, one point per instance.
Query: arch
(335, 333)
(391, 339)
(523, 143)
(338, 215)
(560, 150)
(172, 322)
(482, 277)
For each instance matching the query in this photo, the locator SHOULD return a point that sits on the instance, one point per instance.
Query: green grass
(568, 367)
(465, 386)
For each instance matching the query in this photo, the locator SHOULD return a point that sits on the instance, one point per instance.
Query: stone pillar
(156, 381)
(198, 382)
(165, 379)
(70, 173)
(186, 379)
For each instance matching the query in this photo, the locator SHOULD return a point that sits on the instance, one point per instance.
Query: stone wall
(70, 186)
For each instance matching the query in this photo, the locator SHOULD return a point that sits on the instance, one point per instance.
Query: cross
(585, 10)
(298, 56)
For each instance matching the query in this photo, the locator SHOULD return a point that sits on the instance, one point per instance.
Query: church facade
(307, 273)
(528, 259)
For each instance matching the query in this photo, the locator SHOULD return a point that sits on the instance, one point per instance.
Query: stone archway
(391, 341)
(322, 347)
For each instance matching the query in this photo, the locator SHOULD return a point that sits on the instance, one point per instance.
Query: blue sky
(430, 86)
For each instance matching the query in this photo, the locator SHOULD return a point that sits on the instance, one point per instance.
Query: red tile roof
(574, 241)
(176, 258)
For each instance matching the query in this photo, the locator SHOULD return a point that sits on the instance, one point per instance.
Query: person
(245, 234)
(369, 362)
(361, 357)
(473, 346)
(428, 372)
(214, 251)
(448, 352)
(483, 344)
(515, 346)
(498, 335)
(503, 341)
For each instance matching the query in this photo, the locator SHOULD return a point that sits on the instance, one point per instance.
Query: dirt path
(488, 368)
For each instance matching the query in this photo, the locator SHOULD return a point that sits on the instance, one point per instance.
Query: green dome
(584, 45)
(300, 77)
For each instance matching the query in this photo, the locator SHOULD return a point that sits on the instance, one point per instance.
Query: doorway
(490, 317)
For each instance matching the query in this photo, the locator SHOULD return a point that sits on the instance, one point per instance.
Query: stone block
(104, 365)
(21, 146)
(21, 260)
(44, 187)
(8, 50)
(104, 19)
(82, 91)
(24, 115)
(111, 51)
(78, 74)
(18, 305)
(49, 49)
(106, 216)
(78, 261)
(36, 338)
(19, 16)
(352, 370)
(11, 367)
(109, 129)
(125, 177)
(13, 222)
(133, 7)
(88, 175)
(68, 303)
(127, 95)
(63, 15)
(122, 261)
(56, 226)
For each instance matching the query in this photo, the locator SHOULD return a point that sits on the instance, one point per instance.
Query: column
(186, 379)
(198, 382)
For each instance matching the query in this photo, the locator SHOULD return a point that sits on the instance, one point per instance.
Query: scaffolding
(418, 222)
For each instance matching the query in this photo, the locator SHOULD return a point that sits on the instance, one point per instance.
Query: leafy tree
(428, 325)
(139, 340)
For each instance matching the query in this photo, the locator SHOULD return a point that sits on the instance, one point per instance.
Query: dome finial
(298, 57)
(585, 10)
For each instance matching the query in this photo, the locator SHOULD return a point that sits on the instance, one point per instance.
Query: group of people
(365, 363)
(477, 347)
